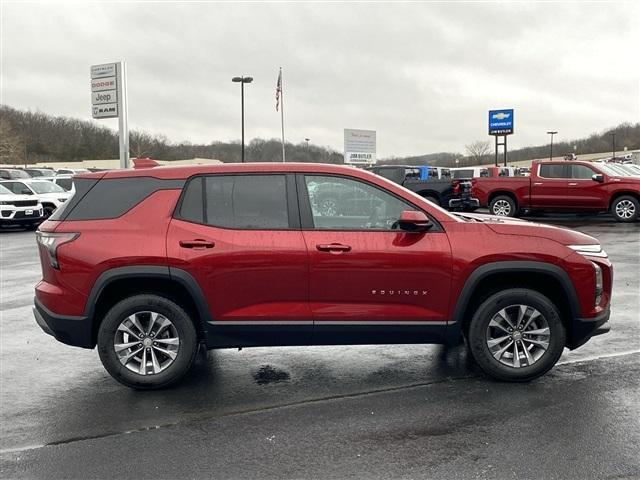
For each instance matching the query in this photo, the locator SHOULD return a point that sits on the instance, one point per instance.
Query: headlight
(589, 250)
(598, 274)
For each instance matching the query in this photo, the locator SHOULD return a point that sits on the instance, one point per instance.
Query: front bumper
(19, 216)
(75, 331)
(585, 328)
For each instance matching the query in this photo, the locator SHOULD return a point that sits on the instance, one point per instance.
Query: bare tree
(11, 147)
(141, 144)
(478, 150)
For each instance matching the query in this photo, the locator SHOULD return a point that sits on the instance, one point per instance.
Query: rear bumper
(76, 331)
(468, 202)
(585, 328)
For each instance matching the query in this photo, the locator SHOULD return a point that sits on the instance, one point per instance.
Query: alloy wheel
(502, 208)
(146, 342)
(518, 336)
(625, 209)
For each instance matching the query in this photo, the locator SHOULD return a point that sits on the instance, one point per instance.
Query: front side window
(46, 187)
(581, 172)
(18, 188)
(252, 202)
(552, 171)
(339, 203)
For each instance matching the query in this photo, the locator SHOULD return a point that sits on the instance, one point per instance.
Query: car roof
(186, 171)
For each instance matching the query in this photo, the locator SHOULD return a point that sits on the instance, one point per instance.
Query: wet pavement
(302, 412)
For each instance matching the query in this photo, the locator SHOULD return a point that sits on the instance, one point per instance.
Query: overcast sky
(423, 75)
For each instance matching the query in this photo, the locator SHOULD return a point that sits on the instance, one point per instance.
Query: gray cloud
(423, 75)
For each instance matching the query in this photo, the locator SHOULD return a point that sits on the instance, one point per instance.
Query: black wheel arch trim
(149, 271)
(483, 271)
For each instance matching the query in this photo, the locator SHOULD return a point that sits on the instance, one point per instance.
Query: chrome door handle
(333, 247)
(197, 244)
(573, 184)
(537, 183)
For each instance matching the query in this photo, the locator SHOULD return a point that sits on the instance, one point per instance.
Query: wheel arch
(174, 283)
(623, 193)
(500, 193)
(545, 278)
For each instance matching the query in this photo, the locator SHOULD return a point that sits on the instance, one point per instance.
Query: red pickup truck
(561, 187)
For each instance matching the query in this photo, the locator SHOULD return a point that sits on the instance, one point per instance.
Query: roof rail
(144, 163)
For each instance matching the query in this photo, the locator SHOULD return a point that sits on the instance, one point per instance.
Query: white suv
(48, 193)
(19, 209)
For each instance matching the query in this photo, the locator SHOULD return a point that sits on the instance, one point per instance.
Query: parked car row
(13, 173)
(29, 201)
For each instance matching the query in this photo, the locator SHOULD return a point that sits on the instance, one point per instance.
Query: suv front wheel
(147, 341)
(516, 335)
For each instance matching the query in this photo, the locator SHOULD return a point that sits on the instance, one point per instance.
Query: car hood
(515, 226)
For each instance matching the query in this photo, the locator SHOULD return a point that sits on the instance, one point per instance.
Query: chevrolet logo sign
(500, 116)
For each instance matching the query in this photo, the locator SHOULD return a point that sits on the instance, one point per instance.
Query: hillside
(31, 137)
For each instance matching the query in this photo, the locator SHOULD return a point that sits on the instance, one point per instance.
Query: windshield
(5, 191)
(46, 187)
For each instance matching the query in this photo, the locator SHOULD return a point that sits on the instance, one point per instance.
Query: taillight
(51, 241)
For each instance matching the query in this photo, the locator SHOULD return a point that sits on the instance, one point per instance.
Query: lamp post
(242, 81)
(307, 140)
(613, 145)
(551, 149)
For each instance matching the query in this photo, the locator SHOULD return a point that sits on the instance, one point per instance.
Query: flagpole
(282, 112)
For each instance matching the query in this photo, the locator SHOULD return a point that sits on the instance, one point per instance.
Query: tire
(486, 328)
(625, 209)
(503, 206)
(160, 369)
(47, 211)
(433, 200)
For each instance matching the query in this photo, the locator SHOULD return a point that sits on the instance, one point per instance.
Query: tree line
(31, 137)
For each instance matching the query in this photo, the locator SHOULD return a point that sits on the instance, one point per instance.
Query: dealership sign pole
(109, 100)
(501, 125)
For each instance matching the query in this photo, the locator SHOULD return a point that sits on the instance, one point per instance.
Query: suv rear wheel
(147, 341)
(516, 335)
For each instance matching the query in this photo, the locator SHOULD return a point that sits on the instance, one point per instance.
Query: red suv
(149, 263)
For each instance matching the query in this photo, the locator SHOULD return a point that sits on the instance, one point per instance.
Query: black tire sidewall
(618, 200)
(512, 204)
(180, 319)
(476, 335)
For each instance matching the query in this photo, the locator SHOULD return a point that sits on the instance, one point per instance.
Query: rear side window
(252, 202)
(111, 198)
(553, 171)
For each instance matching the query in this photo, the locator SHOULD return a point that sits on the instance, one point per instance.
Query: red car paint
(299, 276)
(557, 194)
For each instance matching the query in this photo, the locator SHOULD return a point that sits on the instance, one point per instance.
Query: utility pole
(551, 148)
(242, 81)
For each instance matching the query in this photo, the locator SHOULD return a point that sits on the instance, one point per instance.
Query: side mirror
(26, 191)
(414, 221)
(597, 177)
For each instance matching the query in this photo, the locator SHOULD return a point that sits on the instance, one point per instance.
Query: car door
(550, 187)
(370, 282)
(239, 237)
(583, 191)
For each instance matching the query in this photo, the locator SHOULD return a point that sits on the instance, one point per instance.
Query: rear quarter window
(110, 198)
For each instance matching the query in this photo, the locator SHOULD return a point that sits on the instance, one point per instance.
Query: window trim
(306, 214)
(564, 168)
(290, 194)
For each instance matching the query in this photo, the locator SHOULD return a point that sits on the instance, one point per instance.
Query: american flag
(278, 90)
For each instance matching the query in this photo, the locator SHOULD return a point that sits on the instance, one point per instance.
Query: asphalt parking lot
(410, 411)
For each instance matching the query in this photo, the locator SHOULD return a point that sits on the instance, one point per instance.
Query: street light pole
(242, 81)
(613, 145)
(551, 149)
(307, 140)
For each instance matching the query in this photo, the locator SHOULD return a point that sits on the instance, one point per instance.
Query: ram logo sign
(501, 122)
